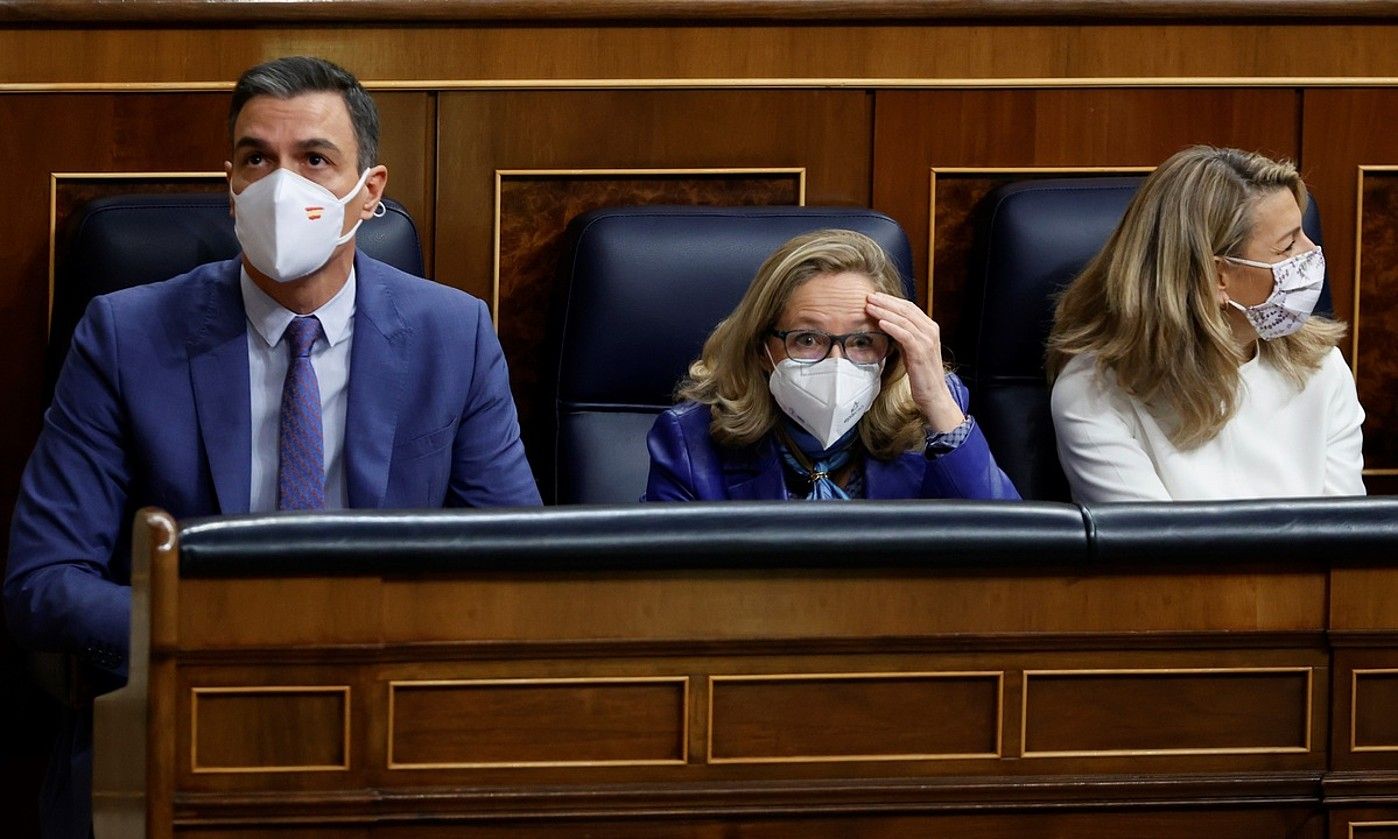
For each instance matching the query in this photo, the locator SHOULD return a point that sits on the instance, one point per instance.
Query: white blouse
(1281, 442)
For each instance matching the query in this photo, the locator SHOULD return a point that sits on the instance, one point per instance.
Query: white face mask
(1296, 284)
(826, 398)
(288, 225)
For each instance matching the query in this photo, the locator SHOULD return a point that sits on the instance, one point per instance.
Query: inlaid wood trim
(998, 675)
(196, 692)
(681, 681)
(674, 12)
(760, 83)
(1354, 709)
(1360, 173)
(1308, 725)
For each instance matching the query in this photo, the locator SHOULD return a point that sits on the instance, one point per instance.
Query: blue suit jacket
(687, 465)
(152, 408)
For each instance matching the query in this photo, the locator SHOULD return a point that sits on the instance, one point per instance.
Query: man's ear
(373, 190)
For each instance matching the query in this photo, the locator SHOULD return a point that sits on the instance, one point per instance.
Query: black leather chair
(642, 287)
(1032, 238)
(129, 240)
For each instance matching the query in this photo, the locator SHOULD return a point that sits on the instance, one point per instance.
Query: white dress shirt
(267, 365)
(1283, 441)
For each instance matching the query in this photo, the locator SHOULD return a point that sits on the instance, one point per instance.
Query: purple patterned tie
(300, 447)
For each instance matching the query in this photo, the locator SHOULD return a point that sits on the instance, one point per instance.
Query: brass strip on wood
(196, 692)
(1354, 709)
(998, 675)
(409, 684)
(1167, 671)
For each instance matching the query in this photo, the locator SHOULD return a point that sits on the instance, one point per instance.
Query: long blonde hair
(1147, 304)
(729, 376)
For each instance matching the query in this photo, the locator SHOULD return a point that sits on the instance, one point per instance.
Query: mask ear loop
(380, 210)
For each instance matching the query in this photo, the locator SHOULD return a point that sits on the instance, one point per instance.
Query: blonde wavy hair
(729, 375)
(1147, 304)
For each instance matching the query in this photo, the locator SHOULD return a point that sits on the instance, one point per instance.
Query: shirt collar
(269, 319)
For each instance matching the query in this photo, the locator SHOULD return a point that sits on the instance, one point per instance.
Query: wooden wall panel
(962, 52)
(1034, 129)
(823, 134)
(1342, 131)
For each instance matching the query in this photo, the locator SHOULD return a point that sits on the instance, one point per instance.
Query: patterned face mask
(1296, 284)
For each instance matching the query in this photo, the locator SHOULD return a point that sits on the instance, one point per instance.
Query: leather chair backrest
(642, 287)
(1032, 239)
(129, 240)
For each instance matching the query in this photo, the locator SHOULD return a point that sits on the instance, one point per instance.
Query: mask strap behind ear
(380, 210)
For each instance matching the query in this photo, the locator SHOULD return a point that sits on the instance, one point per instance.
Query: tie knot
(301, 333)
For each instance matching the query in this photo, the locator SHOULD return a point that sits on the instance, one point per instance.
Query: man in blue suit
(301, 375)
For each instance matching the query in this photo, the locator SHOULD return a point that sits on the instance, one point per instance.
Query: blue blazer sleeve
(970, 471)
(671, 475)
(488, 463)
(61, 592)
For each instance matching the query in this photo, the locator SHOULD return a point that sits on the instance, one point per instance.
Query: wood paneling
(853, 717)
(956, 53)
(533, 212)
(231, 11)
(1051, 128)
(540, 722)
(1375, 710)
(1180, 712)
(271, 729)
(1375, 319)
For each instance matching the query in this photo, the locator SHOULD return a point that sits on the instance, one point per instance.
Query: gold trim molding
(1167, 671)
(997, 675)
(196, 692)
(1360, 173)
(759, 83)
(1354, 709)
(410, 684)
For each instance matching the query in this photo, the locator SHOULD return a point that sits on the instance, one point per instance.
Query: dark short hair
(284, 78)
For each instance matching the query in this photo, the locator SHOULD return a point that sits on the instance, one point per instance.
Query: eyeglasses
(808, 346)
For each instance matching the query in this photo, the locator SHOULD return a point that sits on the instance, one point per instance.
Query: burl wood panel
(955, 204)
(1376, 711)
(1376, 317)
(534, 213)
(539, 722)
(1105, 712)
(846, 717)
(1374, 830)
(273, 729)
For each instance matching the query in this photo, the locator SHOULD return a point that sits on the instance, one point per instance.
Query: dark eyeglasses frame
(780, 334)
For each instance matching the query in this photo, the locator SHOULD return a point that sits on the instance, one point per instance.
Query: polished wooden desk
(724, 684)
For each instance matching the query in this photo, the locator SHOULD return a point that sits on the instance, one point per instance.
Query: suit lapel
(754, 474)
(218, 369)
(378, 369)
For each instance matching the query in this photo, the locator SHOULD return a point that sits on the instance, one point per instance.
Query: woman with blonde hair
(824, 382)
(1185, 361)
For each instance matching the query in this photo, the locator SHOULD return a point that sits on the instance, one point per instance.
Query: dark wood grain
(853, 11)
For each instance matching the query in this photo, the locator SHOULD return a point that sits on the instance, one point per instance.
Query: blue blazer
(152, 409)
(687, 465)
